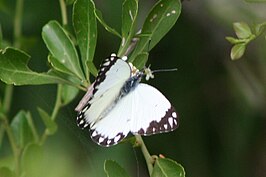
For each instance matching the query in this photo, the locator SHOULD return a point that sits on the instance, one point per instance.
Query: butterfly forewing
(112, 75)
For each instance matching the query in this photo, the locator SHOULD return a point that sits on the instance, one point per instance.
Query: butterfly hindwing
(143, 111)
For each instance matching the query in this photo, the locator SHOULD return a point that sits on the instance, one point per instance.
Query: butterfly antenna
(164, 70)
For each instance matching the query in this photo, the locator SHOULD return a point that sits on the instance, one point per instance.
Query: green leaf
(61, 47)
(21, 129)
(68, 94)
(165, 167)
(14, 70)
(129, 15)
(92, 68)
(141, 60)
(259, 28)
(6, 172)
(48, 122)
(238, 51)
(242, 30)
(160, 20)
(233, 40)
(57, 65)
(113, 169)
(32, 160)
(99, 17)
(85, 25)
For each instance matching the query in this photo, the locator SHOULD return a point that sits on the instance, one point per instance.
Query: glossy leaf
(85, 25)
(165, 167)
(129, 15)
(14, 70)
(57, 65)
(32, 160)
(141, 60)
(61, 47)
(99, 17)
(242, 30)
(48, 122)
(238, 51)
(68, 94)
(113, 169)
(6, 172)
(233, 40)
(160, 20)
(21, 129)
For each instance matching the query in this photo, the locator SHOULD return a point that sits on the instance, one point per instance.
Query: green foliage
(14, 70)
(129, 16)
(22, 130)
(62, 48)
(6, 172)
(113, 169)
(165, 167)
(84, 22)
(245, 34)
(51, 126)
(99, 16)
(160, 20)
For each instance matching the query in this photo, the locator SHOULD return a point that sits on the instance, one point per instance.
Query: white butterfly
(117, 103)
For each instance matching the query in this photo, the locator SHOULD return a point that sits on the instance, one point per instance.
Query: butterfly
(117, 103)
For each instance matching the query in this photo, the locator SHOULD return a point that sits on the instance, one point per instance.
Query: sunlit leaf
(242, 30)
(233, 40)
(21, 129)
(14, 70)
(61, 47)
(99, 16)
(165, 167)
(113, 169)
(129, 15)
(48, 122)
(160, 20)
(259, 28)
(237, 51)
(85, 26)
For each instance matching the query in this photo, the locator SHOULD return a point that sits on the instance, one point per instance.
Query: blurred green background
(221, 103)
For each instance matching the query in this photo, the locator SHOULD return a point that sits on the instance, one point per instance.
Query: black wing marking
(169, 122)
(105, 141)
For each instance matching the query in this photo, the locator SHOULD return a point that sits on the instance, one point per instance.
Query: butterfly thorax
(131, 84)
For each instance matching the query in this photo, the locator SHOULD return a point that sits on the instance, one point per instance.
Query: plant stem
(7, 98)
(63, 12)
(15, 148)
(57, 102)
(17, 23)
(146, 154)
(57, 106)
